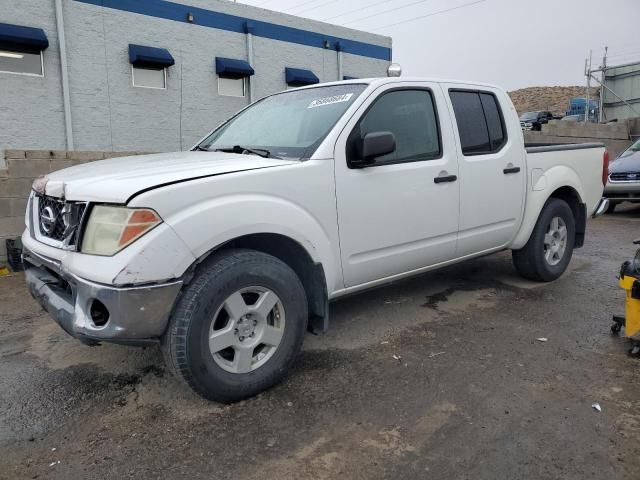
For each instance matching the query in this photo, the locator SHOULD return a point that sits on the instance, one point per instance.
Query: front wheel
(238, 325)
(548, 252)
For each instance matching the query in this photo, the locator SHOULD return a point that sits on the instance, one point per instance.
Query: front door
(400, 213)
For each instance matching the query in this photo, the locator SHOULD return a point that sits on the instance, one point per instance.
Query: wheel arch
(291, 252)
(579, 209)
(558, 182)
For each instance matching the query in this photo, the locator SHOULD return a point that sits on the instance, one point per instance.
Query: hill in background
(554, 99)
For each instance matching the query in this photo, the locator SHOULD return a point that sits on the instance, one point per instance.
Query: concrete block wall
(615, 147)
(616, 136)
(613, 131)
(22, 168)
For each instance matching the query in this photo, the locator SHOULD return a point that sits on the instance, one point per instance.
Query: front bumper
(135, 315)
(622, 191)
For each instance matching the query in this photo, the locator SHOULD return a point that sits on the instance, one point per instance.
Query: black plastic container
(14, 254)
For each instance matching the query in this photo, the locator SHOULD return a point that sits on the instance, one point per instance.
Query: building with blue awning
(145, 75)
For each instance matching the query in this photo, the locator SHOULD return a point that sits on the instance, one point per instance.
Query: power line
(385, 11)
(432, 14)
(619, 46)
(262, 3)
(317, 6)
(299, 5)
(353, 11)
(624, 54)
(622, 60)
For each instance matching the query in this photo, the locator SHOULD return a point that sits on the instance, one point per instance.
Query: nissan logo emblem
(48, 219)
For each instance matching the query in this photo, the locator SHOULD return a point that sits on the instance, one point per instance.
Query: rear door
(401, 213)
(492, 168)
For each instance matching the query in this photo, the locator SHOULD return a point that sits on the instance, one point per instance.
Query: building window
(232, 87)
(14, 61)
(149, 77)
(297, 77)
(149, 66)
(21, 49)
(233, 75)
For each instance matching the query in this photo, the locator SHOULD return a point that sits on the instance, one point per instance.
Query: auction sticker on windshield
(321, 102)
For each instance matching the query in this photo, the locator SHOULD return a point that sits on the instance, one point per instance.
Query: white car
(227, 254)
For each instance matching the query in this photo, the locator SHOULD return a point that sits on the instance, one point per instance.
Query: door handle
(445, 178)
(509, 170)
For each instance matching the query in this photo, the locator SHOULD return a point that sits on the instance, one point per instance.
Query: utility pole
(588, 73)
(603, 84)
(602, 80)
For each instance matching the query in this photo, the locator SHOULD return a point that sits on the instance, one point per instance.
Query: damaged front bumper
(95, 313)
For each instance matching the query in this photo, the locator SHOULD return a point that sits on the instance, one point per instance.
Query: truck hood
(116, 180)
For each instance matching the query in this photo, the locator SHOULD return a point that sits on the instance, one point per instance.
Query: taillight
(605, 167)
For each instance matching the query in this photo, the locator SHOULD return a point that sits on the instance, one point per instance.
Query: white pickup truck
(227, 254)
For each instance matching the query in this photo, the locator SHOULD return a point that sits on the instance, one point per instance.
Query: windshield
(529, 116)
(635, 147)
(289, 124)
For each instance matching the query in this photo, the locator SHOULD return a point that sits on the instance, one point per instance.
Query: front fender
(207, 225)
(541, 186)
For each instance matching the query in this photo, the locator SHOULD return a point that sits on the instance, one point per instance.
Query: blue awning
(141, 56)
(297, 77)
(25, 39)
(231, 68)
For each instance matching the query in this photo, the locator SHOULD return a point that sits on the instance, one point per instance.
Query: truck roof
(389, 80)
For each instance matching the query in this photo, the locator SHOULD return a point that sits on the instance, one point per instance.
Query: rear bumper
(135, 315)
(602, 207)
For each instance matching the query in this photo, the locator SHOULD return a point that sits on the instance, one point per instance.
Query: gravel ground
(474, 395)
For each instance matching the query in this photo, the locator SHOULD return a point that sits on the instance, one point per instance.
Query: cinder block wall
(615, 136)
(22, 168)
(615, 147)
(614, 131)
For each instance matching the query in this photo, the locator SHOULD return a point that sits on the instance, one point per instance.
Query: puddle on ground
(460, 299)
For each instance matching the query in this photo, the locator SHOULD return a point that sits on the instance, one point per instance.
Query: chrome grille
(50, 220)
(624, 177)
(59, 220)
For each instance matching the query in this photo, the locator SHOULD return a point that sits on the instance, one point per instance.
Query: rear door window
(494, 121)
(480, 122)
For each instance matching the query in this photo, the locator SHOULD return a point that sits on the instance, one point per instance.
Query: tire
(612, 207)
(218, 303)
(539, 262)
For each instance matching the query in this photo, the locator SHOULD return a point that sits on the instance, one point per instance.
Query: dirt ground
(474, 394)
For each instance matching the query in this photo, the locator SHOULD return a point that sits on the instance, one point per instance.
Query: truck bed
(553, 147)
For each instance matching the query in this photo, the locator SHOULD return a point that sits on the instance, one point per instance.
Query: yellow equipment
(629, 280)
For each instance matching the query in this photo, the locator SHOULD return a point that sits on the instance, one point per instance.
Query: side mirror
(376, 144)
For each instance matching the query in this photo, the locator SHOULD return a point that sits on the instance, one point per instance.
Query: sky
(510, 43)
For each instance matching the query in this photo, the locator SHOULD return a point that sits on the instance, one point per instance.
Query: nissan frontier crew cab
(227, 254)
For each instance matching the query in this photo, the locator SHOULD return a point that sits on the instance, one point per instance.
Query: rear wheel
(238, 326)
(548, 252)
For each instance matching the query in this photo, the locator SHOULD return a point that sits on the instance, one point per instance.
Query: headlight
(28, 212)
(110, 229)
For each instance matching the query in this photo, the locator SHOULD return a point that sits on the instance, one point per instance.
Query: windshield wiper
(201, 149)
(262, 152)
